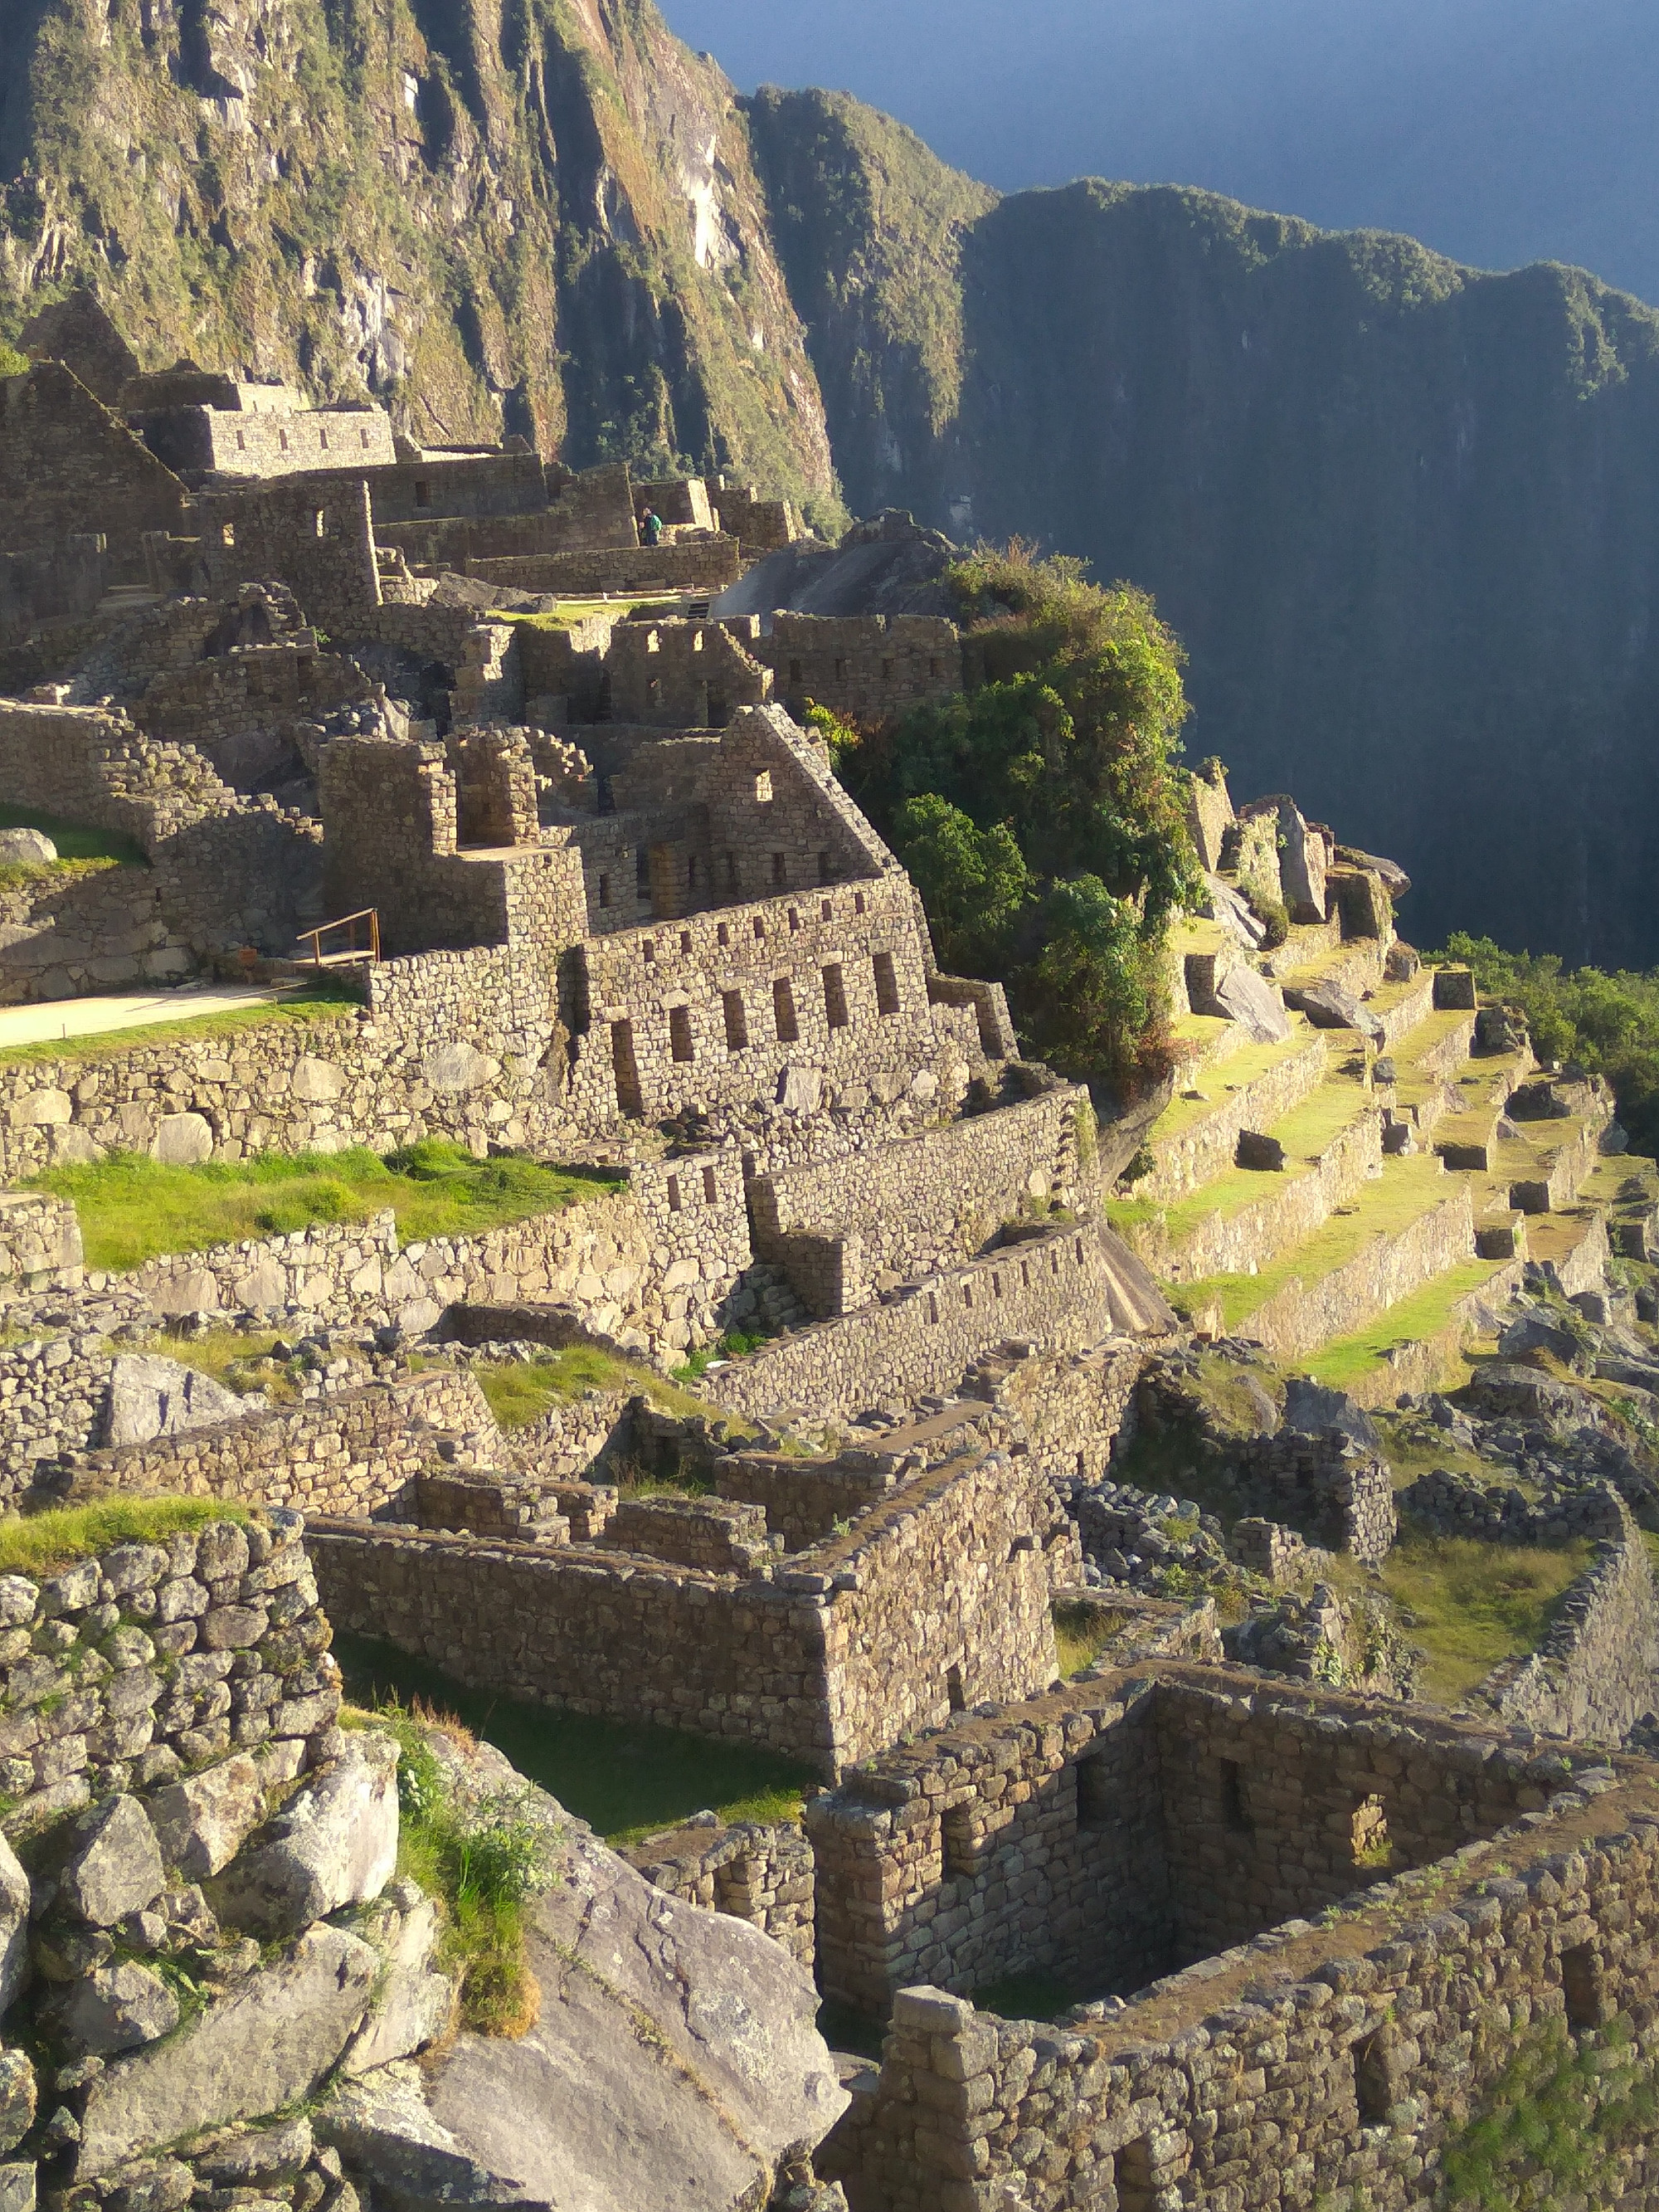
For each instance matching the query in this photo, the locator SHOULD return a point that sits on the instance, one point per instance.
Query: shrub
(1043, 815)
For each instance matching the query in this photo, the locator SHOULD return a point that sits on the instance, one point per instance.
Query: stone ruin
(624, 914)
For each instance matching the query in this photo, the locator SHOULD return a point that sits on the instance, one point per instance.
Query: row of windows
(657, 862)
(997, 1292)
(282, 439)
(797, 671)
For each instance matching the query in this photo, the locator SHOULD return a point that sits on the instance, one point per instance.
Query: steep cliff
(538, 217)
(1403, 513)
(869, 226)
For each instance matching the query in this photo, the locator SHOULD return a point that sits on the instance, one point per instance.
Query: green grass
(1474, 1604)
(43, 1542)
(569, 613)
(132, 1209)
(318, 1003)
(519, 1392)
(1082, 1631)
(1424, 1315)
(485, 1864)
(227, 1354)
(1306, 1135)
(1408, 1188)
(1233, 1073)
(627, 1779)
(1549, 2132)
(76, 840)
(1039, 1993)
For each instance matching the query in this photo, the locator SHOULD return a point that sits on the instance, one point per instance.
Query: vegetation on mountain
(1043, 814)
(1608, 1024)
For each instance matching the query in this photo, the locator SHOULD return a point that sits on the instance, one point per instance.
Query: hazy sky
(1496, 130)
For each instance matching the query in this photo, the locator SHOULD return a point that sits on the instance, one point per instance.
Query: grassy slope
(319, 1005)
(132, 1209)
(628, 1780)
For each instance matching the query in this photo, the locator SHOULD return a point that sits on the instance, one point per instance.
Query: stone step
(1331, 1144)
(1196, 1139)
(1410, 1223)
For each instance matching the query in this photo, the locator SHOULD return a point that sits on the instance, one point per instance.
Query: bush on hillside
(1043, 815)
(1609, 1024)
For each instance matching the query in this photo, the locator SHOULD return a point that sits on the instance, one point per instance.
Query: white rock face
(115, 1868)
(150, 1397)
(14, 1924)
(257, 2051)
(25, 847)
(335, 1843)
(204, 1821)
(585, 2110)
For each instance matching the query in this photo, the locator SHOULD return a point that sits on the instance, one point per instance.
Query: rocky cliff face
(540, 218)
(1403, 513)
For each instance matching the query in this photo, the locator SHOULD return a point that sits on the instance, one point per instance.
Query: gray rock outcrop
(150, 1397)
(335, 1843)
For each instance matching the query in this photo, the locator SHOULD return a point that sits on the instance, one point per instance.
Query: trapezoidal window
(887, 995)
(826, 866)
(779, 868)
(1095, 1794)
(322, 439)
(362, 440)
(835, 999)
(764, 788)
(955, 1697)
(711, 1189)
(604, 891)
(733, 881)
(1373, 2085)
(675, 1202)
(626, 1069)
(318, 522)
(1235, 1813)
(783, 1011)
(794, 671)
(737, 1020)
(1371, 1845)
(1581, 1986)
(956, 1838)
(282, 439)
(423, 493)
(1132, 2172)
(241, 441)
(679, 1033)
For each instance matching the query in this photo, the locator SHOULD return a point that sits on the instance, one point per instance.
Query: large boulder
(26, 848)
(675, 2064)
(259, 2050)
(334, 1843)
(115, 2008)
(15, 1897)
(115, 1866)
(1250, 1000)
(203, 1821)
(150, 1397)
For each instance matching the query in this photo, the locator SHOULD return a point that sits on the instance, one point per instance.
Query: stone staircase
(1354, 1195)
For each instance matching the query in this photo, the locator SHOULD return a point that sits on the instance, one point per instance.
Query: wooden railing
(351, 950)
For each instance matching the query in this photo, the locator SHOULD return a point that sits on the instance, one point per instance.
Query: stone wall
(314, 537)
(1596, 1672)
(1074, 1410)
(1122, 1828)
(350, 1452)
(683, 675)
(868, 668)
(754, 1872)
(1309, 2064)
(938, 1594)
(442, 513)
(1302, 1317)
(697, 565)
(54, 1393)
(1053, 1290)
(1208, 1149)
(68, 465)
(937, 1197)
(220, 1646)
(39, 1244)
(1291, 1207)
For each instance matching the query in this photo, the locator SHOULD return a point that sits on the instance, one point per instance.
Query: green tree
(1043, 813)
(1608, 1024)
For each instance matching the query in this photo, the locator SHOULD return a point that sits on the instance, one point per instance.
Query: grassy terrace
(1183, 1114)
(1428, 1313)
(520, 1392)
(1306, 1134)
(1472, 1605)
(132, 1209)
(43, 1542)
(78, 846)
(1407, 1189)
(628, 1779)
(317, 1004)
